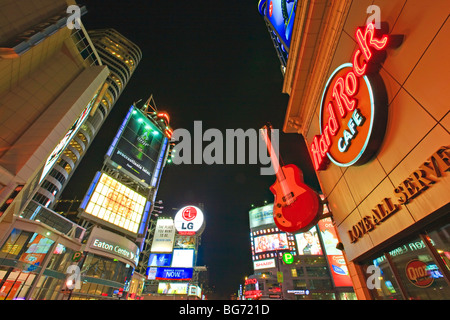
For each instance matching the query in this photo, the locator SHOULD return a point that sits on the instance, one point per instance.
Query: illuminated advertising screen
(174, 273)
(271, 242)
(183, 258)
(184, 242)
(137, 147)
(308, 242)
(160, 260)
(66, 139)
(113, 203)
(172, 288)
(338, 266)
(164, 236)
(280, 16)
(268, 241)
(261, 216)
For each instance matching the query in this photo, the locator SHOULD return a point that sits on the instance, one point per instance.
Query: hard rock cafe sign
(353, 110)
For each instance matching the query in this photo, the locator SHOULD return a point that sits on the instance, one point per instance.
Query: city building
(50, 82)
(118, 204)
(366, 84)
(122, 57)
(169, 259)
(295, 266)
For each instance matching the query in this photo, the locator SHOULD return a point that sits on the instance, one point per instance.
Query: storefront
(107, 266)
(367, 82)
(34, 259)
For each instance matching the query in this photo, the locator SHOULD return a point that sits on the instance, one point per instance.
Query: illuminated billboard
(183, 258)
(112, 203)
(336, 260)
(164, 236)
(279, 16)
(261, 216)
(66, 139)
(138, 147)
(172, 288)
(189, 220)
(308, 242)
(174, 274)
(266, 243)
(160, 260)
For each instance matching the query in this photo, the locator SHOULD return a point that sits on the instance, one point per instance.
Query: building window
(416, 268)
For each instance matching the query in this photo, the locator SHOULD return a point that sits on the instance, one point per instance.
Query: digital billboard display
(261, 216)
(174, 273)
(266, 243)
(160, 260)
(137, 147)
(183, 258)
(336, 260)
(164, 236)
(113, 203)
(172, 288)
(271, 242)
(308, 242)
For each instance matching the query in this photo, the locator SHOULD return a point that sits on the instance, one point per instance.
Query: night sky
(209, 61)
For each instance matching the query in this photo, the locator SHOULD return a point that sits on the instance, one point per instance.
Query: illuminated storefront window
(414, 269)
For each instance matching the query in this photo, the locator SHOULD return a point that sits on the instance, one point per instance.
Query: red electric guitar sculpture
(296, 206)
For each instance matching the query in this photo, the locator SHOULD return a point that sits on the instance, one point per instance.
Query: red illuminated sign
(353, 111)
(189, 213)
(417, 273)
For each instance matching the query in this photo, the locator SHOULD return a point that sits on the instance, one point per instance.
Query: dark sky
(211, 61)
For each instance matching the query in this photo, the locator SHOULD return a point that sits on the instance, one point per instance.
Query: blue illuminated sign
(174, 273)
(160, 260)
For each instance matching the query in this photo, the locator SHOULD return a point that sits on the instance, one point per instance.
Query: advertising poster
(261, 216)
(174, 273)
(160, 260)
(335, 258)
(183, 258)
(271, 242)
(138, 146)
(115, 203)
(172, 288)
(164, 236)
(281, 14)
(308, 242)
(184, 242)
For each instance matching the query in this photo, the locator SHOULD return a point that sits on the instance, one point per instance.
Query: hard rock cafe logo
(353, 111)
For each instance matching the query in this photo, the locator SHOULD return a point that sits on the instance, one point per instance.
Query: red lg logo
(189, 213)
(270, 8)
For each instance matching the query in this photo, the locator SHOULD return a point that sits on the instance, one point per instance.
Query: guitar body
(300, 208)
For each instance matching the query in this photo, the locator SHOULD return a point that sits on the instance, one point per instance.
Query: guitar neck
(273, 155)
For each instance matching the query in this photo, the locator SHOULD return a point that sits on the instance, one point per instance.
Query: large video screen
(308, 242)
(137, 146)
(115, 204)
(183, 258)
(271, 242)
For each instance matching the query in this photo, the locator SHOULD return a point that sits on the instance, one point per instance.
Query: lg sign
(189, 220)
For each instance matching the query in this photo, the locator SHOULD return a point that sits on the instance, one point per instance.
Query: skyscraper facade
(54, 96)
(122, 58)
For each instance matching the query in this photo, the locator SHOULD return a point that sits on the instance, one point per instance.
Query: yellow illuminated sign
(117, 204)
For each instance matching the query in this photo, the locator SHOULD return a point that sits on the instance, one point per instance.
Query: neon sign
(353, 111)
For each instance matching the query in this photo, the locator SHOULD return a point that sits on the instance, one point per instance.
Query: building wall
(418, 121)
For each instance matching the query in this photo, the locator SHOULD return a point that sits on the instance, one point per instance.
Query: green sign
(77, 256)
(288, 258)
(280, 277)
